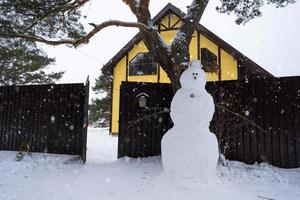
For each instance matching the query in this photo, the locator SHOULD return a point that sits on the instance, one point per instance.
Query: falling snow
(247, 113)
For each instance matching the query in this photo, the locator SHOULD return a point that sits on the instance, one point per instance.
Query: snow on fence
(255, 120)
(46, 118)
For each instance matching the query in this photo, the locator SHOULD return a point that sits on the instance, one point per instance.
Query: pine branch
(83, 40)
(68, 7)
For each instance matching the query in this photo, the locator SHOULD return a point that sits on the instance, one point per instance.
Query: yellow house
(133, 63)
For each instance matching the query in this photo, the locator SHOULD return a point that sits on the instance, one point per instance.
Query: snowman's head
(194, 77)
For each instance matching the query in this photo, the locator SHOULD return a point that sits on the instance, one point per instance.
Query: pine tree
(21, 62)
(100, 109)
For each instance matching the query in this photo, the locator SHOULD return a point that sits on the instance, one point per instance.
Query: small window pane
(143, 64)
(208, 57)
(209, 60)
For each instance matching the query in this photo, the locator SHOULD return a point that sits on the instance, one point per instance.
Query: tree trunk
(160, 52)
(174, 77)
(181, 61)
(172, 58)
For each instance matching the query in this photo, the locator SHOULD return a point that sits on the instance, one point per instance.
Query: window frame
(142, 66)
(209, 66)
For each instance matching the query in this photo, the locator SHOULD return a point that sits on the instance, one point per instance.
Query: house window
(209, 60)
(143, 64)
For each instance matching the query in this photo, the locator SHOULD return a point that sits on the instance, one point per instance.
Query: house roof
(251, 65)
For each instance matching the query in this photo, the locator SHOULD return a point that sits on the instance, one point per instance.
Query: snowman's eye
(197, 74)
(193, 73)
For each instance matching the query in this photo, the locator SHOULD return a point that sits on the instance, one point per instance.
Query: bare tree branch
(170, 57)
(134, 7)
(140, 10)
(36, 38)
(144, 15)
(82, 40)
(244, 118)
(99, 27)
(265, 197)
(153, 40)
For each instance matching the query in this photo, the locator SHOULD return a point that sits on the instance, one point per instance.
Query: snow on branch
(83, 40)
(188, 26)
(140, 8)
(133, 5)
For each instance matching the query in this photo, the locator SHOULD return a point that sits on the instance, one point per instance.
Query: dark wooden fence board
(142, 138)
(85, 120)
(297, 123)
(272, 104)
(273, 110)
(49, 118)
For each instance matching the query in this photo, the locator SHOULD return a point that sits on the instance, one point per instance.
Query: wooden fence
(139, 134)
(268, 128)
(49, 118)
(255, 120)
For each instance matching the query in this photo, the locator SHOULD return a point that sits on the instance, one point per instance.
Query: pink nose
(195, 77)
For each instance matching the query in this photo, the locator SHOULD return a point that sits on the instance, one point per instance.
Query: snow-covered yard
(103, 177)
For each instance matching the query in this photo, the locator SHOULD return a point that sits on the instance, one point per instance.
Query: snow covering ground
(103, 177)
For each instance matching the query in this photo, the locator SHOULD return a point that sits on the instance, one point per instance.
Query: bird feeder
(142, 99)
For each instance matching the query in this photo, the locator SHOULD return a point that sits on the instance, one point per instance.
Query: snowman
(189, 149)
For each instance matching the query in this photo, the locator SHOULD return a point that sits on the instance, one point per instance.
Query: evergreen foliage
(21, 61)
(100, 109)
(245, 10)
(47, 18)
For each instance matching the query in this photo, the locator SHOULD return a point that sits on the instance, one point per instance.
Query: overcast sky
(272, 41)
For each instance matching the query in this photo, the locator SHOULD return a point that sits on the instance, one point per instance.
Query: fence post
(85, 119)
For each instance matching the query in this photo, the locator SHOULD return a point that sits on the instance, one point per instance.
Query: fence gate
(254, 121)
(144, 118)
(48, 118)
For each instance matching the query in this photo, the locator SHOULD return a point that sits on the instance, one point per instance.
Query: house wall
(229, 69)
(170, 20)
(119, 76)
(228, 64)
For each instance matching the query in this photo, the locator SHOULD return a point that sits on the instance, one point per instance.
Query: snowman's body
(189, 149)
